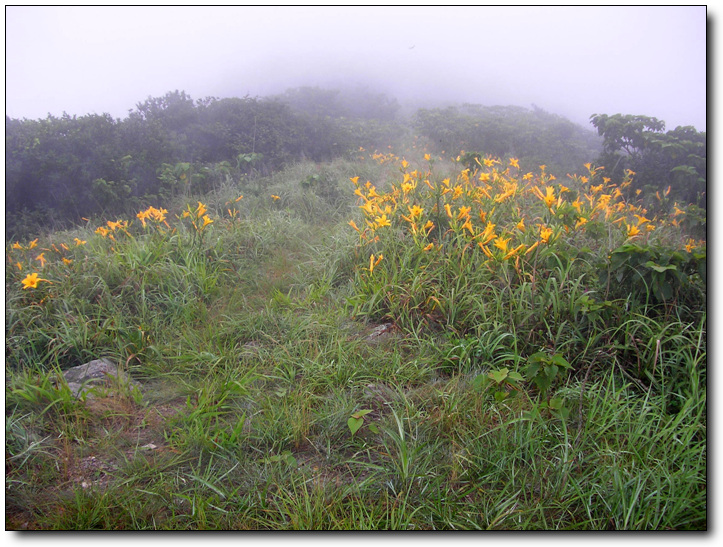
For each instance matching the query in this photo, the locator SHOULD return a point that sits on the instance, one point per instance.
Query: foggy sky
(573, 61)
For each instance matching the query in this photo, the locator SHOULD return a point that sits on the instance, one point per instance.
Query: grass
(251, 338)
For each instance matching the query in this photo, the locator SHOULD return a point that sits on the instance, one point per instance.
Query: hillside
(394, 338)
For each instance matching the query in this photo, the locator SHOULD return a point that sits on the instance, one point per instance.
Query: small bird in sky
(415, 45)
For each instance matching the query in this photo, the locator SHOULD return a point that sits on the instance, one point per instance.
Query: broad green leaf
(480, 381)
(289, 458)
(560, 361)
(658, 267)
(556, 403)
(499, 375)
(516, 376)
(354, 424)
(500, 396)
(564, 413)
(551, 372)
(542, 382)
(666, 291)
(533, 369)
(536, 357)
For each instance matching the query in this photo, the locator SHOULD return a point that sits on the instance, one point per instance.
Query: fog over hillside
(573, 61)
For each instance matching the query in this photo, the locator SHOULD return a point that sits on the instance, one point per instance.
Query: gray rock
(380, 332)
(96, 373)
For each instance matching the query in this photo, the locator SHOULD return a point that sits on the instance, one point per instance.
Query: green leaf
(556, 403)
(354, 424)
(666, 291)
(288, 457)
(560, 361)
(551, 371)
(533, 369)
(658, 267)
(499, 375)
(500, 396)
(480, 382)
(516, 376)
(542, 382)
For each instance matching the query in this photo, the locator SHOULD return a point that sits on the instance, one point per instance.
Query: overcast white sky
(575, 61)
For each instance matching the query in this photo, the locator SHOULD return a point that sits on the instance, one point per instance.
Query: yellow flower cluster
(112, 227)
(156, 215)
(199, 219)
(502, 213)
(232, 211)
(19, 255)
(694, 244)
(382, 158)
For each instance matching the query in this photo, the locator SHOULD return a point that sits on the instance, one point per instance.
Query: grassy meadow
(387, 341)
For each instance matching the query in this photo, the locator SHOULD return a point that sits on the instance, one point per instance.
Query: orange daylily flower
(31, 281)
(382, 221)
(545, 234)
(632, 230)
(374, 263)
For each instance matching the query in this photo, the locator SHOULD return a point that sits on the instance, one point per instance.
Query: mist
(572, 61)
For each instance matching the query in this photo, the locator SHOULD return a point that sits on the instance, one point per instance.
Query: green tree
(534, 136)
(674, 160)
(51, 163)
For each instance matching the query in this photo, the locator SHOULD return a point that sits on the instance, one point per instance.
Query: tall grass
(253, 338)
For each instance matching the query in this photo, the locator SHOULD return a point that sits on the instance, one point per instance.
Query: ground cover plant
(387, 341)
